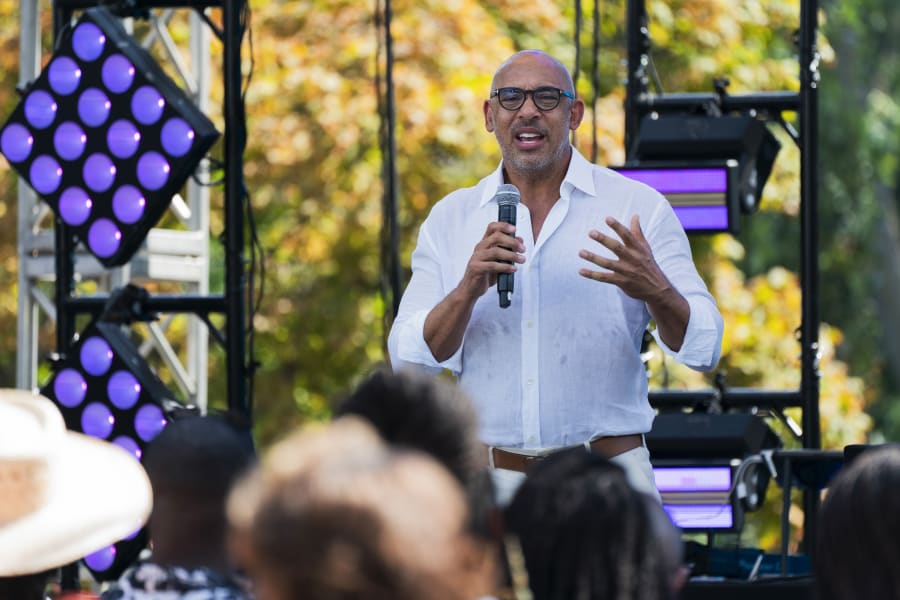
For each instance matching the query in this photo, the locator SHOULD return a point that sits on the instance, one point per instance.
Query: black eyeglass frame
(525, 93)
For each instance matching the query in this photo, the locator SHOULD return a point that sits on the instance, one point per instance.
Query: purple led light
(147, 105)
(129, 445)
(40, 109)
(692, 479)
(700, 516)
(69, 140)
(88, 41)
(117, 73)
(99, 172)
(16, 142)
(153, 170)
(93, 107)
(45, 174)
(96, 355)
(176, 137)
(149, 421)
(64, 75)
(123, 138)
(128, 204)
(682, 181)
(123, 389)
(97, 420)
(102, 559)
(104, 238)
(75, 206)
(702, 218)
(69, 387)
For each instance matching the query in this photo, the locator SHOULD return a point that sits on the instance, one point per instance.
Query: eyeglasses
(545, 98)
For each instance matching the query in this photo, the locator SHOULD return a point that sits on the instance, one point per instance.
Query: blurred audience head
(192, 465)
(63, 495)
(334, 513)
(420, 412)
(586, 533)
(858, 542)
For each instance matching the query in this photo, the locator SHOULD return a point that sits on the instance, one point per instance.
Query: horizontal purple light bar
(688, 180)
(692, 479)
(701, 516)
(710, 218)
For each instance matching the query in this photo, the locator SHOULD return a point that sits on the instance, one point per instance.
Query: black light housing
(712, 168)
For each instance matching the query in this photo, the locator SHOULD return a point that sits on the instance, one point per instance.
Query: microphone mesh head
(507, 194)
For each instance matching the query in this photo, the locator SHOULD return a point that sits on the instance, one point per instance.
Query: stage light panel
(105, 137)
(703, 196)
(699, 496)
(105, 389)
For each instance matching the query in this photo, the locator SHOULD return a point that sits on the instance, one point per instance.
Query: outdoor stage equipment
(710, 168)
(107, 139)
(641, 105)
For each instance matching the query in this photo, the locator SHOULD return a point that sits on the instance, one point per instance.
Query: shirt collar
(579, 176)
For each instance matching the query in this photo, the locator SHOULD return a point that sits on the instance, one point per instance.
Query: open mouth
(529, 138)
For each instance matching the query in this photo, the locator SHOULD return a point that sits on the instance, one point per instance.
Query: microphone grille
(507, 194)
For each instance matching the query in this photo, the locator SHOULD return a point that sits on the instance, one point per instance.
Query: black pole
(64, 243)
(391, 166)
(809, 274)
(595, 80)
(64, 282)
(235, 281)
(636, 85)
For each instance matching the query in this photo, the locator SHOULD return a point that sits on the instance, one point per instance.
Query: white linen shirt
(562, 364)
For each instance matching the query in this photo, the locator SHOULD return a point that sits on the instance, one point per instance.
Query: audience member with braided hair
(858, 542)
(587, 534)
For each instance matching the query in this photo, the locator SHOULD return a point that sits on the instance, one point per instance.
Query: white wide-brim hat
(63, 495)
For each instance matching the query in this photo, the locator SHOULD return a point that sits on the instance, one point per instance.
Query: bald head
(535, 60)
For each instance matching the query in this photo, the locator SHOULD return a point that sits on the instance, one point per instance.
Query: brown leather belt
(609, 446)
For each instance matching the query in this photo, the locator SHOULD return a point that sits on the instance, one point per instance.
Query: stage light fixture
(711, 168)
(711, 469)
(105, 137)
(704, 197)
(105, 389)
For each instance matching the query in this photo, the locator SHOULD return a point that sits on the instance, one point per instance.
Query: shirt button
(529, 324)
(532, 439)
(530, 382)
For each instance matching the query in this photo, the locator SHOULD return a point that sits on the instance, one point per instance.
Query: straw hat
(63, 495)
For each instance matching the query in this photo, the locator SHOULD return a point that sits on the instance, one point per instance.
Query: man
(597, 257)
(192, 465)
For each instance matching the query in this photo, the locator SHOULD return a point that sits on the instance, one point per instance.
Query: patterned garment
(149, 581)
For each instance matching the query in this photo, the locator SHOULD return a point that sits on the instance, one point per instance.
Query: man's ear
(488, 116)
(576, 113)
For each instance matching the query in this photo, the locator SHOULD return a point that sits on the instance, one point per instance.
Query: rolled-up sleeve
(702, 345)
(406, 341)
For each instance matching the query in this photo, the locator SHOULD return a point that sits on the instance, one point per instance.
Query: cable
(595, 81)
(256, 268)
(576, 70)
(390, 261)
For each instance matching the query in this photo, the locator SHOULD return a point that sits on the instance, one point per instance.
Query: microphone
(507, 200)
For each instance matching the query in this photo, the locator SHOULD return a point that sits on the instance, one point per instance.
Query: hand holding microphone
(507, 197)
